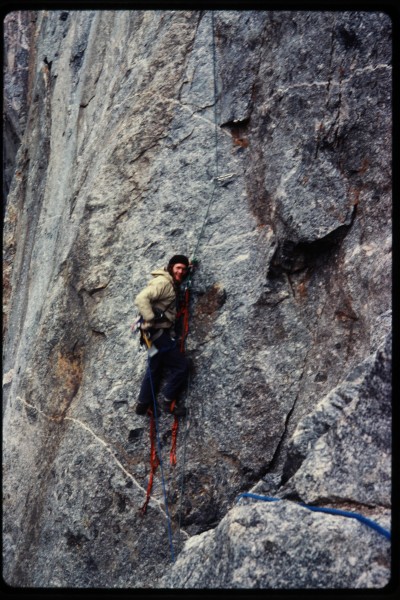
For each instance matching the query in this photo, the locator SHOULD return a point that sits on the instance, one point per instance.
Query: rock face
(259, 143)
(19, 57)
(342, 448)
(279, 545)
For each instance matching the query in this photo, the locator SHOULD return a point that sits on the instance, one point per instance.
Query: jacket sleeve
(149, 295)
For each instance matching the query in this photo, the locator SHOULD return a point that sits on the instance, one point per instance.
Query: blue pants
(168, 357)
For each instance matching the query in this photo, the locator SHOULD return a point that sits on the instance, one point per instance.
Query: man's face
(179, 272)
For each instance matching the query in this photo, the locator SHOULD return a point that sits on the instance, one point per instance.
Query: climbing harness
(145, 338)
(331, 511)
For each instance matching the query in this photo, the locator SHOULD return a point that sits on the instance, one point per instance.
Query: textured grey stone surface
(345, 445)
(286, 204)
(17, 32)
(279, 544)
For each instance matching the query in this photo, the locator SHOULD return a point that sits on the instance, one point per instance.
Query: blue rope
(351, 515)
(331, 511)
(257, 497)
(161, 464)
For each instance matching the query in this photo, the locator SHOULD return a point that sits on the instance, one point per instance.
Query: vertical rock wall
(260, 142)
(18, 58)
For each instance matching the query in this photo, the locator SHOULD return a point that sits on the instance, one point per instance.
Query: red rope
(172, 454)
(154, 460)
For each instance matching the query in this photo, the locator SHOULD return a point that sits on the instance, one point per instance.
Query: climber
(157, 305)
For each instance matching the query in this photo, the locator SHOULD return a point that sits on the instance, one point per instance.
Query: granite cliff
(260, 142)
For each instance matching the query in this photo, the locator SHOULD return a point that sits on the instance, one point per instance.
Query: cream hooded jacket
(159, 293)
